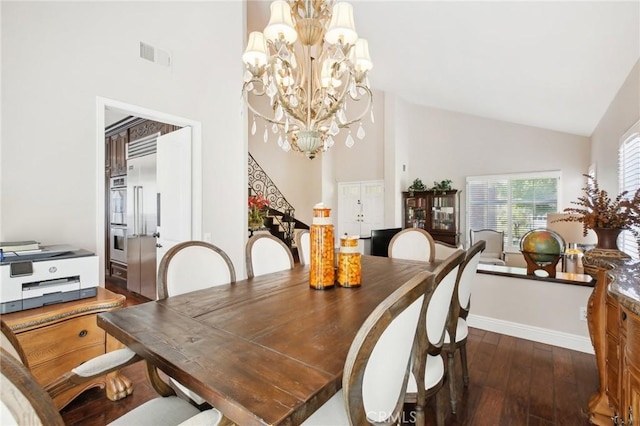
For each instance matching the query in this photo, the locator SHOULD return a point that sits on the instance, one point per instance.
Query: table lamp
(577, 243)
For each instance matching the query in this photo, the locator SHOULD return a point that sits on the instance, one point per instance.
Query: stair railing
(261, 183)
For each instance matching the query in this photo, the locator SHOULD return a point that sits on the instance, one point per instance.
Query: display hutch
(437, 212)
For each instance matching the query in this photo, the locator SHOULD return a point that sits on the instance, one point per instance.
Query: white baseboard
(537, 334)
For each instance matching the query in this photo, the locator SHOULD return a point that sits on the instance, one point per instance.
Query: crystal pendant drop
(334, 129)
(341, 116)
(274, 128)
(249, 87)
(372, 118)
(271, 89)
(361, 133)
(293, 100)
(286, 126)
(279, 113)
(254, 126)
(265, 137)
(330, 141)
(286, 146)
(283, 52)
(280, 143)
(353, 91)
(349, 142)
(247, 76)
(327, 101)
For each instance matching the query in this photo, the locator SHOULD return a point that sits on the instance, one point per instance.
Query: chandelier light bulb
(342, 27)
(256, 52)
(281, 23)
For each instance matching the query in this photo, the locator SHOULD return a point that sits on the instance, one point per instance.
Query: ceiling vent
(154, 54)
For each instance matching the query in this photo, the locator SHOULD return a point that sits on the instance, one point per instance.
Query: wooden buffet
(614, 326)
(57, 338)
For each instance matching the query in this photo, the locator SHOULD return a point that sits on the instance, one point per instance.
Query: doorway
(109, 111)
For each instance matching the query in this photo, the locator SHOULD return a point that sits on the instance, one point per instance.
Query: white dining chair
(412, 244)
(191, 266)
(455, 338)
(266, 254)
(444, 250)
(187, 267)
(378, 363)
(303, 242)
(25, 402)
(428, 371)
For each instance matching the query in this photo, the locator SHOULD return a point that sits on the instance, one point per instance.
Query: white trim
(632, 131)
(196, 165)
(537, 334)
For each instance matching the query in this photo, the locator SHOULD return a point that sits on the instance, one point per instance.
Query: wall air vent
(156, 55)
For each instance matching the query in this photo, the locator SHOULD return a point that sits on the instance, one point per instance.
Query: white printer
(52, 275)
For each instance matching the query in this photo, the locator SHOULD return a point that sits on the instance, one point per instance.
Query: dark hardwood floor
(513, 382)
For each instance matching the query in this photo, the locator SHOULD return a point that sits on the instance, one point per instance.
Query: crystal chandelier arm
(284, 101)
(336, 106)
(366, 109)
(258, 113)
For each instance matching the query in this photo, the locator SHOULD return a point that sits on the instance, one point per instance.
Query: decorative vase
(605, 252)
(256, 223)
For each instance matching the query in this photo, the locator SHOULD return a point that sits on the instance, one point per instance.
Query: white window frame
(629, 141)
(557, 174)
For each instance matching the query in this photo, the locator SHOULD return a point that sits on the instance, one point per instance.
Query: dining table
(266, 350)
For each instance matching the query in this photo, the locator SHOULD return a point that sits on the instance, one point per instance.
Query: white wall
(622, 113)
(449, 145)
(57, 57)
(530, 309)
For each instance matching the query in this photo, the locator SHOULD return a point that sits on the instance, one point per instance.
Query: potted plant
(257, 211)
(607, 217)
(417, 185)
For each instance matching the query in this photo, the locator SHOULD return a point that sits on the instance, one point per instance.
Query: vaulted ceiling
(550, 64)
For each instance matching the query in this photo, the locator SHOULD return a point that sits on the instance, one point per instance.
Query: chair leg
(465, 369)
(451, 377)
(440, 409)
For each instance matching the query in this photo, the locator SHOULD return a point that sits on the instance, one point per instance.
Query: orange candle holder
(349, 262)
(321, 268)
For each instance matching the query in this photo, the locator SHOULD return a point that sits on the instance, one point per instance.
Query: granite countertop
(625, 284)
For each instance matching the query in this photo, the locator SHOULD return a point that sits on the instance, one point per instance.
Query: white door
(360, 207)
(372, 200)
(174, 189)
(348, 209)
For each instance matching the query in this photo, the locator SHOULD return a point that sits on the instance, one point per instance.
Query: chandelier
(310, 64)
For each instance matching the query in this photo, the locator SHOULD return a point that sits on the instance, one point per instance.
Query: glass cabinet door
(415, 212)
(443, 213)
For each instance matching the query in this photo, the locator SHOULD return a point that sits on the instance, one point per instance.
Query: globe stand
(533, 266)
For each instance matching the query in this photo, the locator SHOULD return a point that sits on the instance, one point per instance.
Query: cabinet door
(372, 207)
(631, 382)
(415, 210)
(349, 209)
(442, 210)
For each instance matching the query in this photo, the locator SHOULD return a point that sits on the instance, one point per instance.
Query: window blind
(513, 204)
(629, 180)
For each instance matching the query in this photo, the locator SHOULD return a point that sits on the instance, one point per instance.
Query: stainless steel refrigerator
(142, 216)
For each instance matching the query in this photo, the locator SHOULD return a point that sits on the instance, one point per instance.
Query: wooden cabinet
(615, 333)
(437, 212)
(118, 153)
(57, 338)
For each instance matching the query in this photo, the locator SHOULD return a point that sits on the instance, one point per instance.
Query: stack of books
(19, 247)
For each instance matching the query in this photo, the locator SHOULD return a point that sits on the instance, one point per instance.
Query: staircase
(280, 220)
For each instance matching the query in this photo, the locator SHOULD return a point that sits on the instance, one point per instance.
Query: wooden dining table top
(265, 350)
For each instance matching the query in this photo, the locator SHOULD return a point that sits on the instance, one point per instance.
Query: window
(513, 203)
(629, 179)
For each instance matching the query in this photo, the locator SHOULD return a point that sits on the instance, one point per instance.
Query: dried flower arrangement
(598, 210)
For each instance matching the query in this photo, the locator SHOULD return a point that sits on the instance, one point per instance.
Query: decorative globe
(543, 245)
